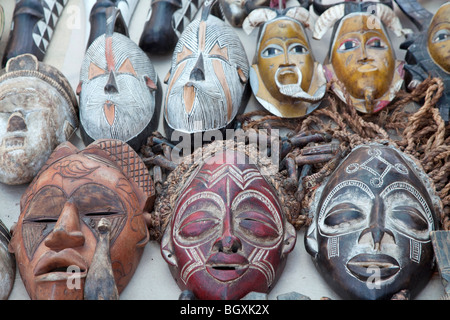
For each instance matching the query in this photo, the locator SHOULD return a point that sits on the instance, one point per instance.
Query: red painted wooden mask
(227, 235)
(60, 212)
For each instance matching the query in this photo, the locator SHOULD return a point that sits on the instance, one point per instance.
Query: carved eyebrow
(211, 196)
(403, 186)
(343, 184)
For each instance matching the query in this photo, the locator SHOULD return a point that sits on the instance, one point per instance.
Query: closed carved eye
(197, 224)
(343, 213)
(411, 217)
(258, 224)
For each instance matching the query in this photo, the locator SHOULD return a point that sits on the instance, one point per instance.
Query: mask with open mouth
(56, 237)
(370, 236)
(285, 78)
(226, 233)
(361, 62)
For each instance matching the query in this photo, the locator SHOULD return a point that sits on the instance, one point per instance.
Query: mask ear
(290, 238)
(167, 247)
(311, 245)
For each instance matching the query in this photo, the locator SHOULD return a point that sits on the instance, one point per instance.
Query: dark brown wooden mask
(57, 231)
(370, 237)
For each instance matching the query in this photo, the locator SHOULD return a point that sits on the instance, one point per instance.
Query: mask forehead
(285, 30)
(438, 37)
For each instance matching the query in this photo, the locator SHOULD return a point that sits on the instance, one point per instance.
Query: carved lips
(363, 266)
(53, 265)
(226, 267)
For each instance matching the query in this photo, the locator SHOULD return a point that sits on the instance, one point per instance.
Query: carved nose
(228, 244)
(198, 73)
(67, 232)
(376, 229)
(111, 85)
(16, 122)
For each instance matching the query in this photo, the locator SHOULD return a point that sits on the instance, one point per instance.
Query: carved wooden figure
(372, 218)
(236, 11)
(428, 54)
(361, 63)
(96, 10)
(7, 264)
(34, 22)
(285, 78)
(39, 110)
(166, 20)
(208, 79)
(61, 241)
(225, 229)
(120, 93)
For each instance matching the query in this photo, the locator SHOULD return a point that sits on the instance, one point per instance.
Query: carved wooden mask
(7, 264)
(285, 78)
(370, 236)
(207, 79)
(439, 37)
(227, 235)
(119, 90)
(57, 228)
(38, 111)
(361, 60)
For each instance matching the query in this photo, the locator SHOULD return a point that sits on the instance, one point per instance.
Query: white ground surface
(152, 279)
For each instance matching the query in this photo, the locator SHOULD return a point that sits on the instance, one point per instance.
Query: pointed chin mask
(285, 78)
(227, 235)
(370, 237)
(119, 90)
(56, 236)
(207, 83)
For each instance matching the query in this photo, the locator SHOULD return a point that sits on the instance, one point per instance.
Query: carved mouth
(54, 266)
(226, 267)
(367, 68)
(288, 75)
(13, 143)
(364, 266)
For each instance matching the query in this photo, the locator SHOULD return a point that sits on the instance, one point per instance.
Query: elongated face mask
(119, 92)
(228, 235)
(372, 221)
(208, 77)
(439, 37)
(285, 78)
(38, 112)
(56, 236)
